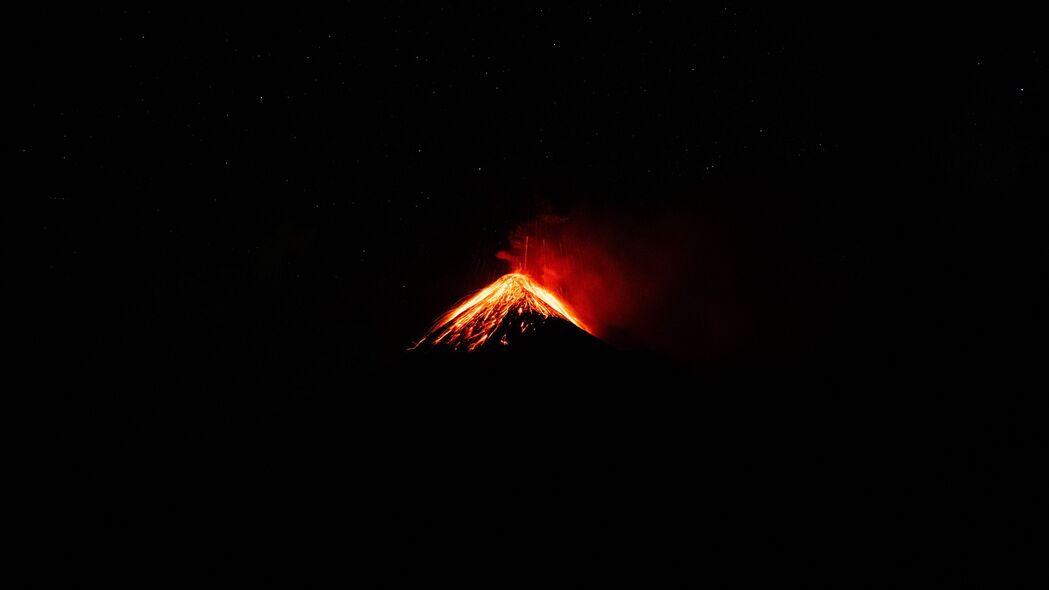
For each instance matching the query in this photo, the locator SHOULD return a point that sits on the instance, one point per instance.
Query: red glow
(581, 264)
(661, 281)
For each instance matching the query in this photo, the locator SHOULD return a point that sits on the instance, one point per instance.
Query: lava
(513, 303)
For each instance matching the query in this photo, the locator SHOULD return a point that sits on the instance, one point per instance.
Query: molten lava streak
(514, 302)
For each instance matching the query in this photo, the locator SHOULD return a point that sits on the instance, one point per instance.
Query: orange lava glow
(487, 314)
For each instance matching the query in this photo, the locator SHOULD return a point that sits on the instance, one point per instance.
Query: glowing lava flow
(514, 302)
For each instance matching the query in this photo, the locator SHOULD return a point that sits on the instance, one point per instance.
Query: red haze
(668, 283)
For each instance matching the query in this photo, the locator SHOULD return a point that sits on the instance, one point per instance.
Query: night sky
(250, 213)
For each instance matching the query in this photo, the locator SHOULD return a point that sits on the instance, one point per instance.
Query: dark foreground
(530, 468)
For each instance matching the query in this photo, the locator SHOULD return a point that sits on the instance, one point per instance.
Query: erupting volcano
(512, 309)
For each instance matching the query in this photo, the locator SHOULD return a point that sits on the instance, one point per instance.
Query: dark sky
(246, 216)
(226, 193)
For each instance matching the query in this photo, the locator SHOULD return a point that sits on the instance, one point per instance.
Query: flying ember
(514, 304)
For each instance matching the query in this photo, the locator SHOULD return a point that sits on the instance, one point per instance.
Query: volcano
(512, 313)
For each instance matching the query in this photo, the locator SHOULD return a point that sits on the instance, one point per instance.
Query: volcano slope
(511, 321)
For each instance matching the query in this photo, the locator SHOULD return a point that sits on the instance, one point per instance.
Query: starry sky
(245, 217)
(234, 200)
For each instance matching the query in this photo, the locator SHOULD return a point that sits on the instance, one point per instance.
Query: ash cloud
(675, 282)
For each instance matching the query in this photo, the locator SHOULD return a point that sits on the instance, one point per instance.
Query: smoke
(671, 282)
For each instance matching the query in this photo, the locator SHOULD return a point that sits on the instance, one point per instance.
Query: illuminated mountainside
(512, 309)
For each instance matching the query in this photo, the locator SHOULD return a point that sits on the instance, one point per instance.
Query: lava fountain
(514, 305)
